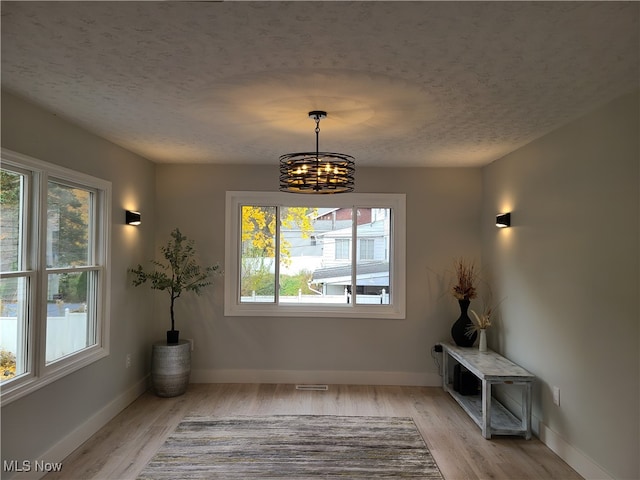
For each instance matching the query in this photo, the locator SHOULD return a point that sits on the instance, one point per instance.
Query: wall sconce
(503, 220)
(133, 218)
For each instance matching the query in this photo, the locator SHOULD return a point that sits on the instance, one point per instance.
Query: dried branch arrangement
(466, 276)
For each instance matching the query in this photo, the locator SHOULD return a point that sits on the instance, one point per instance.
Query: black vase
(462, 325)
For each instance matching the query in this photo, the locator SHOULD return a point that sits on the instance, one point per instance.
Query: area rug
(293, 447)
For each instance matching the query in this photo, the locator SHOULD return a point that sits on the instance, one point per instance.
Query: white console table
(492, 369)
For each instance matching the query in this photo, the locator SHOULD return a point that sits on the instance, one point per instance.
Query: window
(354, 268)
(342, 248)
(366, 249)
(53, 283)
(71, 270)
(15, 280)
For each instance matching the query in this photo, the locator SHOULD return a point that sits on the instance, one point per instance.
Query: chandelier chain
(317, 136)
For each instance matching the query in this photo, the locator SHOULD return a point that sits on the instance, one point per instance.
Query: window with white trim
(54, 272)
(367, 251)
(342, 248)
(355, 267)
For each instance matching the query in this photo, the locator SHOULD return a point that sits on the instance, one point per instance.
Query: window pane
(300, 255)
(11, 195)
(372, 268)
(257, 259)
(68, 226)
(333, 277)
(13, 327)
(70, 318)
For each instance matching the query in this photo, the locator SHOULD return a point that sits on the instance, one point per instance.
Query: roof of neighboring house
(345, 270)
(373, 229)
(320, 212)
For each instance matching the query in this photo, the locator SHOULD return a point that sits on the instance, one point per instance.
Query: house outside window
(354, 269)
(54, 278)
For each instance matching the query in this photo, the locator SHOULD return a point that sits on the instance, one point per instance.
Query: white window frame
(397, 276)
(39, 373)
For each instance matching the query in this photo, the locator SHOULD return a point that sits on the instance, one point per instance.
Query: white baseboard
(329, 377)
(574, 457)
(69, 443)
(577, 460)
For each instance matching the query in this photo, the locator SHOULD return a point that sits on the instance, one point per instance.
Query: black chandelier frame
(317, 172)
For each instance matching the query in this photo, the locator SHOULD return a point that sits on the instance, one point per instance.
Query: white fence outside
(382, 299)
(65, 334)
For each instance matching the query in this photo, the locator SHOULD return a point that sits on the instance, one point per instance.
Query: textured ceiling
(404, 83)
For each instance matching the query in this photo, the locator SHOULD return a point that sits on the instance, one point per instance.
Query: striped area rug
(293, 447)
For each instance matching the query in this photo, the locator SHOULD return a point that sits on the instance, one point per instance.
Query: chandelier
(316, 172)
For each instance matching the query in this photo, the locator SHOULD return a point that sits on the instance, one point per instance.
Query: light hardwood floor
(123, 447)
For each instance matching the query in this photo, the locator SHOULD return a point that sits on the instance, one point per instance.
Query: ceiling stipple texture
(404, 83)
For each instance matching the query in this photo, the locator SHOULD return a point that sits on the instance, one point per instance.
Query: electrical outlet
(437, 348)
(190, 340)
(128, 360)
(556, 395)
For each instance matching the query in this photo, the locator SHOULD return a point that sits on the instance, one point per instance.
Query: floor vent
(312, 387)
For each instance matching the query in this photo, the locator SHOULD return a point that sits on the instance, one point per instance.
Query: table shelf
(503, 422)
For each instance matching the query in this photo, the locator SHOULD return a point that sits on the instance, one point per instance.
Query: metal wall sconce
(133, 218)
(503, 220)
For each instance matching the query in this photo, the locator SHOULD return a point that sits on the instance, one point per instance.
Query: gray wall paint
(33, 424)
(568, 273)
(443, 210)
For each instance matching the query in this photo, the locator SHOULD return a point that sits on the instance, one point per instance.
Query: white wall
(568, 272)
(33, 426)
(443, 210)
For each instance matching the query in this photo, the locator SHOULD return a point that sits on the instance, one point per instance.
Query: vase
(462, 326)
(482, 343)
(170, 368)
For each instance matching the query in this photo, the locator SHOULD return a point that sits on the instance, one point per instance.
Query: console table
(492, 369)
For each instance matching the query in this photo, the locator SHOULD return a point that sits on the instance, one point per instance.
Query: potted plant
(179, 275)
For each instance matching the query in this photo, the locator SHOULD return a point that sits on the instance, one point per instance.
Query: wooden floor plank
(121, 449)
